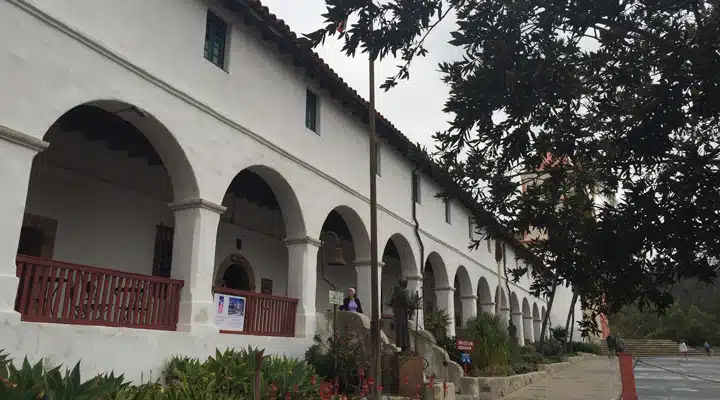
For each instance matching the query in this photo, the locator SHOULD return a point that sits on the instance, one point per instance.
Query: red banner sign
(464, 345)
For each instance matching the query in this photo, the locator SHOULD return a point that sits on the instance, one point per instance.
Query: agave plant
(26, 383)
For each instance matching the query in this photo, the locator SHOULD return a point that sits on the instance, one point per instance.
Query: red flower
(417, 386)
(287, 396)
(371, 381)
(296, 388)
(274, 387)
(313, 379)
(361, 372)
(380, 388)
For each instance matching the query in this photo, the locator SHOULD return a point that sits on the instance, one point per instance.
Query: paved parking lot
(695, 379)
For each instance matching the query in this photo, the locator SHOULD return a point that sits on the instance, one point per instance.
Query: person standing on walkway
(611, 345)
(683, 350)
(707, 348)
(619, 344)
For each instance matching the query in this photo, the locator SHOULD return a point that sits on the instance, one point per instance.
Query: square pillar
(517, 319)
(196, 226)
(504, 317)
(446, 301)
(469, 308)
(302, 282)
(528, 331)
(17, 151)
(415, 284)
(537, 325)
(364, 288)
(488, 307)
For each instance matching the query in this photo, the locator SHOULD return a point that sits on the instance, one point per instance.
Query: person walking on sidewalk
(707, 348)
(611, 346)
(619, 344)
(683, 350)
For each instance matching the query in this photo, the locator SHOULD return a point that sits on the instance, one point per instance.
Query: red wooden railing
(264, 314)
(59, 292)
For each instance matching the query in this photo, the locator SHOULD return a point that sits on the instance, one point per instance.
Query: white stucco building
(152, 151)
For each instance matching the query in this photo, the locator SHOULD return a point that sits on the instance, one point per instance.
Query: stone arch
(434, 276)
(514, 302)
(236, 264)
(107, 155)
(342, 228)
(535, 312)
(164, 144)
(485, 303)
(463, 290)
(526, 308)
(398, 261)
(537, 322)
(262, 212)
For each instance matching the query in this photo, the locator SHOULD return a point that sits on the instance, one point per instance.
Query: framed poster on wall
(229, 312)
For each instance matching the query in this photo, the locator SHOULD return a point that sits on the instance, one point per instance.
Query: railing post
(196, 224)
(17, 151)
(627, 376)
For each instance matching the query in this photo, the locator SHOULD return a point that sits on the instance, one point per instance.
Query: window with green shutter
(311, 111)
(215, 39)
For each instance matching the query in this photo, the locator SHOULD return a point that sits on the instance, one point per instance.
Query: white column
(537, 324)
(415, 284)
(504, 317)
(364, 289)
(302, 282)
(446, 301)
(469, 308)
(17, 151)
(517, 319)
(528, 333)
(196, 225)
(488, 307)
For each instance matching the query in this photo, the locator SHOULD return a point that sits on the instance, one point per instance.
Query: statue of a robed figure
(400, 303)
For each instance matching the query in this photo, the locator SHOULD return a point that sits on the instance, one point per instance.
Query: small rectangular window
(311, 108)
(447, 212)
(162, 260)
(215, 39)
(471, 228)
(416, 188)
(377, 158)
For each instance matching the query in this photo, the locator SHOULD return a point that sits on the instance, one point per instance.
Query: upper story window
(447, 212)
(416, 188)
(311, 111)
(216, 33)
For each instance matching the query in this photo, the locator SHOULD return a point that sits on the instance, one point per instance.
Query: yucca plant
(26, 383)
(69, 386)
(491, 341)
(437, 323)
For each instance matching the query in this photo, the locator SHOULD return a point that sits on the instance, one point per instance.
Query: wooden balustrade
(59, 292)
(265, 315)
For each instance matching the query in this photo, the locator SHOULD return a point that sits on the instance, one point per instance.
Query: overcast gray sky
(414, 106)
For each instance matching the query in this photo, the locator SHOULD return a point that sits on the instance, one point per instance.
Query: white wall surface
(217, 123)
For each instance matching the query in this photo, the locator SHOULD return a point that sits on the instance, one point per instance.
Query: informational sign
(464, 345)
(336, 297)
(465, 358)
(229, 312)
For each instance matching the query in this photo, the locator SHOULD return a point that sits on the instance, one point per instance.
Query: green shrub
(550, 347)
(491, 341)
(524, 368)
(583, 347)
(527, 349)
(497, 370)
(558, 358)
(533, 358)
(558, 333)
(437, 323)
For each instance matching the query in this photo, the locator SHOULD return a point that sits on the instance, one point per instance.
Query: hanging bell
(336, 258)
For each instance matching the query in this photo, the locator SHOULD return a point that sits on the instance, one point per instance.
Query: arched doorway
(261, 212)
(99, 197)
(345, 241)
(236, 273)
(463, 297)
(398, 261)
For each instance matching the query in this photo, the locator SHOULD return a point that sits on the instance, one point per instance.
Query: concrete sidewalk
(595, 378)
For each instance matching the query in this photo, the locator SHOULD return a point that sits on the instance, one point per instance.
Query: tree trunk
(571, 313)
(572, 329)
(547, 315)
